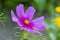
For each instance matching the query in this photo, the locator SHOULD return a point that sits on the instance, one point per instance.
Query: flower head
(24, 19)
(57, 9)
(57, 21)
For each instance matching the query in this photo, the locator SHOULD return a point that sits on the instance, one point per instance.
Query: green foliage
(24, 35)
(40, 4)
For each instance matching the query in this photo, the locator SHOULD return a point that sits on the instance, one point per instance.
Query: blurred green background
(46, 8)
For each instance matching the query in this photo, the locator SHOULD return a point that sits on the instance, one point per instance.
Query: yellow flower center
(57, 21)
(27, 22)
(57, 9)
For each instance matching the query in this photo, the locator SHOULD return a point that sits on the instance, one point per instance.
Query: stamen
(27, 22)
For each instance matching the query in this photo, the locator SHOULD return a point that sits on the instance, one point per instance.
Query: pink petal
(19, 23)
(38, 20)
(30, 12)
(40, 27)
(30, 30)
(21, 28)
(20, 10)
(14, 18)
(43, 27)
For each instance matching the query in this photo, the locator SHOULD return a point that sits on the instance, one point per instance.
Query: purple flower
(24, 19)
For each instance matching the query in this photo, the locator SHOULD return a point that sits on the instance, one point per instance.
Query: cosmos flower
(24, 19)
(57, 21)
(57, 9)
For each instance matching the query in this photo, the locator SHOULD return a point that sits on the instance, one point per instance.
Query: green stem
(25, 34)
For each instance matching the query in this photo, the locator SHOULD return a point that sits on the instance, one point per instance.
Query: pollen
(27, 22)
